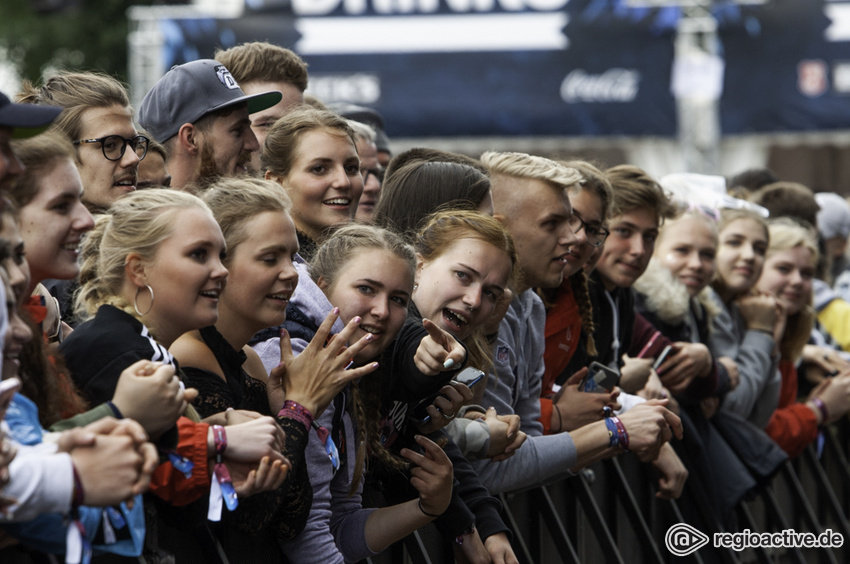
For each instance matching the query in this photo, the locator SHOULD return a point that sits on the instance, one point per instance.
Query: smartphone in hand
(600, 379)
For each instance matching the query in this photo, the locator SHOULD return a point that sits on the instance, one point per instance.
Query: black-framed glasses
(596, 234)
(113, 146)
(376, 172)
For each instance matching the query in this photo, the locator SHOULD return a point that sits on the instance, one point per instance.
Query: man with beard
(258, 67)
(200, 114)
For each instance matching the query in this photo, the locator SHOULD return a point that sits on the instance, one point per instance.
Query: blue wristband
(613, 435)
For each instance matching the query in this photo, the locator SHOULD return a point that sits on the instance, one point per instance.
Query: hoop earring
(136, 301)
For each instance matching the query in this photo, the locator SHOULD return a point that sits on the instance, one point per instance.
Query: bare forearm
(390, 524)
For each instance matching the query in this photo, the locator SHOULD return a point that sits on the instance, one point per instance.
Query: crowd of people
(236, 328)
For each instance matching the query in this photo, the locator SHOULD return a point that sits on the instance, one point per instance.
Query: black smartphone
(469, 376)
(599, 379)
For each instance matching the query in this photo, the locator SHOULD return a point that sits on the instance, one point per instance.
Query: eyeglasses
(595, 234)
(376, 172)
(113, 146)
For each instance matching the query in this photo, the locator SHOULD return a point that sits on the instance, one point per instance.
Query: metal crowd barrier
(608, 513)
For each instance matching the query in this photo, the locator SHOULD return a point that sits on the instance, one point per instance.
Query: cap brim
(256, 102)
(27, 119)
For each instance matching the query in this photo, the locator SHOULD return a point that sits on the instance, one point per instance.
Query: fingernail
(370, 336)
(375, 365)
(336, 311)
(282, 332)
(449, 363)
(356, 319)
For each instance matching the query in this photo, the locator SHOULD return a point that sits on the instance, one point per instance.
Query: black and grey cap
(26, 119)
(189, 91)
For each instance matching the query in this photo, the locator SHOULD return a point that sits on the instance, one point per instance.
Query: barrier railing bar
(594, 514)
(630, 505)
(524, 554)
(555, 525)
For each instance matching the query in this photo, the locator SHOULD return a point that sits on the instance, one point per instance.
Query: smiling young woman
(312, 154)
(262, 244)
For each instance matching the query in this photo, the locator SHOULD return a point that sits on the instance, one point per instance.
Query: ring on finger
(448, 416)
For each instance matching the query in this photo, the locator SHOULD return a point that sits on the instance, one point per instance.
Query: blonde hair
(522, 165)
(785, 234)
(137, 223)
(233, 201)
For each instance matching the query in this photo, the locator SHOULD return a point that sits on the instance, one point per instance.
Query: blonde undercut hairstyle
(523, 165)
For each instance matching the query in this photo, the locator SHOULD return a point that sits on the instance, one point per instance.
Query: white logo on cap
(225, 77)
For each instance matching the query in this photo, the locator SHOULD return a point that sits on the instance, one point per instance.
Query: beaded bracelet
(824, 412)
(294, 410)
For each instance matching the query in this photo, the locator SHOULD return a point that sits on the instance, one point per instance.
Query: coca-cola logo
(613, 85)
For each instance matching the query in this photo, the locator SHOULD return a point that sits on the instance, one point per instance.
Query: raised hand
(323, 368)
(438, 351)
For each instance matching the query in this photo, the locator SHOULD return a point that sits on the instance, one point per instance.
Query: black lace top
(262, 520)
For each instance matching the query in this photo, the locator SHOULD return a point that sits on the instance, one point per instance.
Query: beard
(208, 172)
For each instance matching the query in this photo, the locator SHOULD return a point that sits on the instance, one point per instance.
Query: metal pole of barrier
(775, 512)
(681, 519)
(524, 554)
(750, 523)
(825, 488)
(555, 525)
(416, 548)
(633, 512)
(842, 464)
(598, 522)
(803, 501)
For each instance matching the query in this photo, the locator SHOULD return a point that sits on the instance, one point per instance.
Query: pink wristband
(293, 410)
